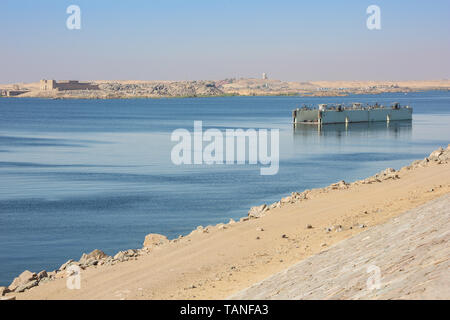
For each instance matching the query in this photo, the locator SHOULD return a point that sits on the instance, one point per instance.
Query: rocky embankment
(27, 280)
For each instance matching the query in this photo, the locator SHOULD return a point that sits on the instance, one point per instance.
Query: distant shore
(103, 89)
(214, 262)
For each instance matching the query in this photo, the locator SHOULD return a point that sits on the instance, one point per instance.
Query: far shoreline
(225, 96)
(243, 87)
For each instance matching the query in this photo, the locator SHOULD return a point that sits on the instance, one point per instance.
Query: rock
(308, 226)
(339, 185)
(23, 279)
(362, 226)
(41, 275)
(66, 264)
(258, 211)
(275, 205)
(231, 221)
(94, 256)
(3, 291)
(221, 226)
(295, 195)
(8, 298)
(206, 230)
(415, 163)
(286, 200)
(132, 253)
(154, 240)
(27, 286)
(284, 236)
(435, 154)
(244, 219)
(323, 245)
(121, 256)
(90, 262)
(259, 229)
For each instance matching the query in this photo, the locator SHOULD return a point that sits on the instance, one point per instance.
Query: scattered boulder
(154, 240)
(132, 253)
(3, 291)
(121, 256)
(340, 185)
(286, 200)
(221, 226)
(23, 279)
(41, 275)
(436, 154)
(93, 257)
(258, 211)
(300, 196)
(27, 286)
(206, 230)
(66, 264)
(309, 226)
(275, 205)
(386, 174)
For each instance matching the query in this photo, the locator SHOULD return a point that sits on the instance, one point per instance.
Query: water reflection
(393, 129)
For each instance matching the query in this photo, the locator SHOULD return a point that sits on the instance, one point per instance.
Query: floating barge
(327, 114)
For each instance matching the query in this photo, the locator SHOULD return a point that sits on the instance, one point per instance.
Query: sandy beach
(215, 262)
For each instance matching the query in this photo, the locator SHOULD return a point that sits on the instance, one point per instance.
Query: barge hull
(348, 116)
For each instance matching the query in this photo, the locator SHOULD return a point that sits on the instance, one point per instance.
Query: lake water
(76, 175)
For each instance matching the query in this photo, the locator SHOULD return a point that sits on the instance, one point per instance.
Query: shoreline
(244, 87)
(261, 222)
(302, 95)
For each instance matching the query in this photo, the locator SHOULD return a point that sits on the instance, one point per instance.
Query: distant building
(46, 85)
(264, 76)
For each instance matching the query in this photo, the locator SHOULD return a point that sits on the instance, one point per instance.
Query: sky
(198, 39)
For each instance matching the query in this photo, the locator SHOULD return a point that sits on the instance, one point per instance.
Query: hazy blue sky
(199, 39)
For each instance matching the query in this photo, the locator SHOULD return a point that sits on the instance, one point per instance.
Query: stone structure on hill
(48, 85)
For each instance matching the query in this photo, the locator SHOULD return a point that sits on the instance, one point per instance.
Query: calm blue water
(76, 175)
